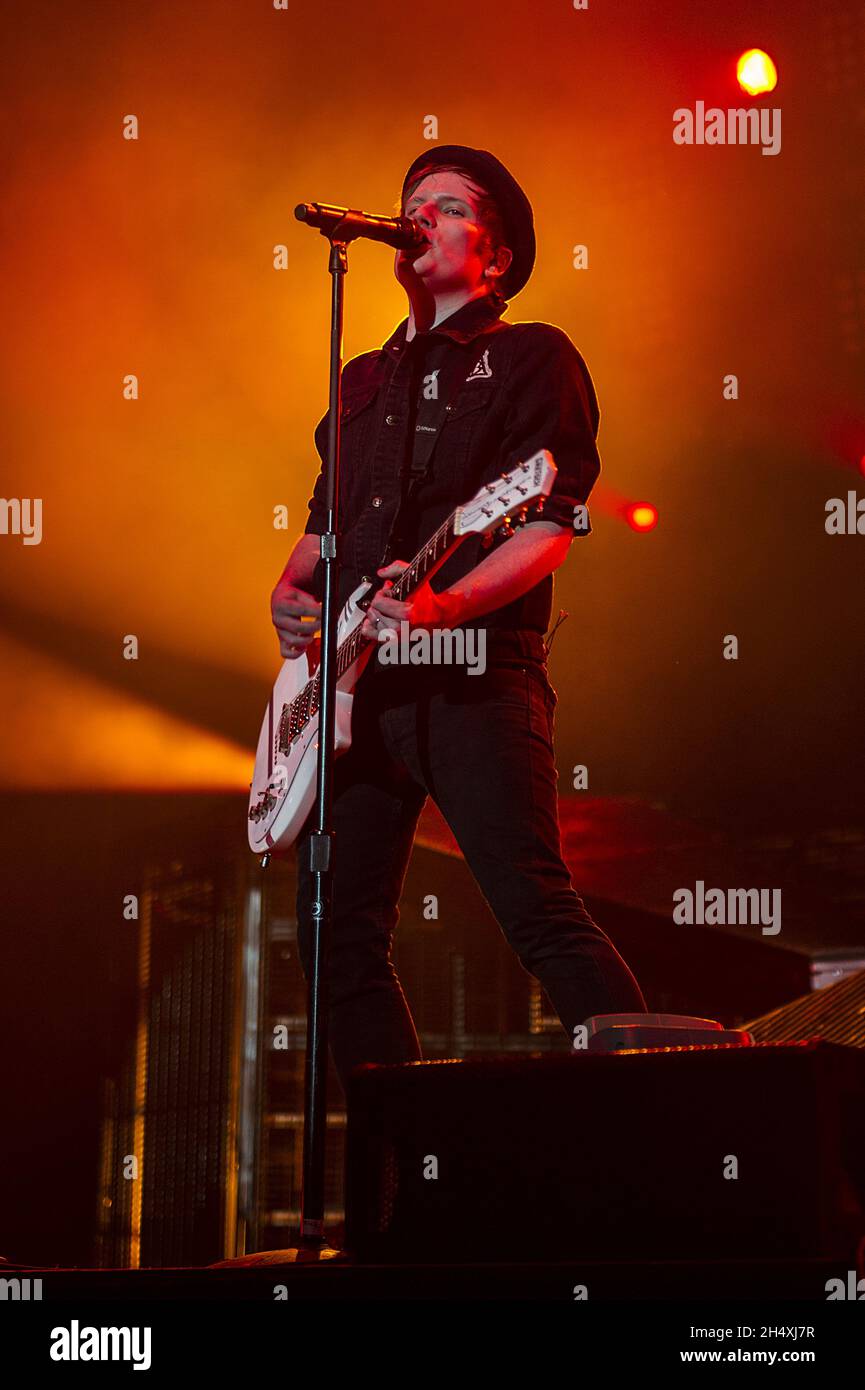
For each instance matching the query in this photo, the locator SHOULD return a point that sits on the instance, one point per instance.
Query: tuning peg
(506, 529)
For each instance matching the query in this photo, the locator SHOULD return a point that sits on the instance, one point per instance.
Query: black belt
(504, 647)
(519, 643)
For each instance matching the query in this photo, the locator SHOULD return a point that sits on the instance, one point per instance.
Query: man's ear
(500, 262)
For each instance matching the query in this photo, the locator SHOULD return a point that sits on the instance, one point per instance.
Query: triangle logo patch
(481, 370)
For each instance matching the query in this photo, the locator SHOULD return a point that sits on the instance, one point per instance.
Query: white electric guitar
(283, 786)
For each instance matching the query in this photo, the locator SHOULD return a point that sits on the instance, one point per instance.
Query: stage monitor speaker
(700, 1152)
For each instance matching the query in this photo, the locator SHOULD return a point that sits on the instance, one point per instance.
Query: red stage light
(642, 516)
(756, 72)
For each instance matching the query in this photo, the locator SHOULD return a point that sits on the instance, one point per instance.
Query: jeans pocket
(543, 700)
(552, 700)
(508, 683)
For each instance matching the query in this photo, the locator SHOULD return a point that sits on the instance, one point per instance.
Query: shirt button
(391, 419)
(376, 501)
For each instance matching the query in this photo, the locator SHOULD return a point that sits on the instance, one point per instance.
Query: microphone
(346, 224)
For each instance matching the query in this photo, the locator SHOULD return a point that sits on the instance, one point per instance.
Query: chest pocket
(474, 396)
(356, 400)
(358, 418)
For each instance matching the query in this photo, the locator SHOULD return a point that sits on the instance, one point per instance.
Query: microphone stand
(322, 840)
(312, 1246)
(322, 844)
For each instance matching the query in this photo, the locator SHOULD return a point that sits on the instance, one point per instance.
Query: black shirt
(501, 392)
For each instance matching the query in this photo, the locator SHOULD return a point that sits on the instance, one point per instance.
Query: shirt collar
(462, 326)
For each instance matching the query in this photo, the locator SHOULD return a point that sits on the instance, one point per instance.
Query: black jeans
(482, 747)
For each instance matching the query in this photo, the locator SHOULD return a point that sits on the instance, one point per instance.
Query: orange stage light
(756, 72)
(642, 516)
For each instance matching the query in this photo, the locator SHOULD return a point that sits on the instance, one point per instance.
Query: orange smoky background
(155, 257)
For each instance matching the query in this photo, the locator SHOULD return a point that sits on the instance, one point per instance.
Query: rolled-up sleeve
(553, 406)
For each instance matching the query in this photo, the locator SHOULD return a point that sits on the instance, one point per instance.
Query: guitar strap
(425, 423)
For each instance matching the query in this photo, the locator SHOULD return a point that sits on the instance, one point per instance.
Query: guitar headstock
(496, 503)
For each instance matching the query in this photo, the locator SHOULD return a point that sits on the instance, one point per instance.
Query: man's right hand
(289, 607)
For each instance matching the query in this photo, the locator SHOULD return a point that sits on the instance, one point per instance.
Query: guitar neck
(428, 559)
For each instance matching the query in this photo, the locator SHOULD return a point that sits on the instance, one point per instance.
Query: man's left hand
(424, 608)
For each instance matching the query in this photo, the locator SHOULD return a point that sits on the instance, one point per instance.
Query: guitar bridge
(263, 806)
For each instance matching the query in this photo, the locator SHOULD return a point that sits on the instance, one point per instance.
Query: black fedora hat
(514, 206)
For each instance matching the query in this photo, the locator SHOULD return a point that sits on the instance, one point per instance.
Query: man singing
(453, 399)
